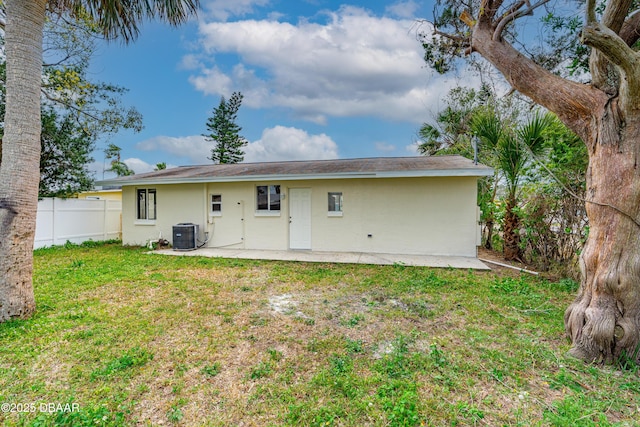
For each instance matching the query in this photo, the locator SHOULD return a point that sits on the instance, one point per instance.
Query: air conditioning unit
(185, 236)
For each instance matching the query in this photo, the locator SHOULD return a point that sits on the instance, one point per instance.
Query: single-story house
(396, 205)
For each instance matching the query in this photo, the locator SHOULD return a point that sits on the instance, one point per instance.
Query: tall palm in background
(20, 165)
(514, 149)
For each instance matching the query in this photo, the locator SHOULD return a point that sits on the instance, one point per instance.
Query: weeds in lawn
(353, 321)
(87, 417)
(628, 361)
(132, 358)
(274, 354)
(175, 414)
(138, 339)
(211, 370)
(354, 346)
(263, 369)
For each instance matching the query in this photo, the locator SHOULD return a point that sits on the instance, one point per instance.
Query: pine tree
(225, 132)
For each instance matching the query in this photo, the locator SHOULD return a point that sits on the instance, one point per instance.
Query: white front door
(300, 218)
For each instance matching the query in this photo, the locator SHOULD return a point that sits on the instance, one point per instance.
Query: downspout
(206, 213)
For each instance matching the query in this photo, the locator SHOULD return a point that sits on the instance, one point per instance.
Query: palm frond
(486, 125)
(532, 133)
(122, 18)
(512, 159)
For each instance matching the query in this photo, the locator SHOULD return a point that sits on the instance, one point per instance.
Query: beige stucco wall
(436, 216)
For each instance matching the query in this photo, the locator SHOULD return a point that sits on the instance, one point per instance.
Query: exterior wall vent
(185, 236)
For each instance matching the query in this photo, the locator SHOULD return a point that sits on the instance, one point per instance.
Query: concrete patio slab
(336, 257)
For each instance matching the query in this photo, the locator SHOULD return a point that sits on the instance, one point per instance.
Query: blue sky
(321, 79)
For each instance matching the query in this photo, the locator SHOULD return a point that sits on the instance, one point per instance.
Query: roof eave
(463, 172)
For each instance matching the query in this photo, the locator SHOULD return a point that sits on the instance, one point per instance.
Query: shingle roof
(311, 169)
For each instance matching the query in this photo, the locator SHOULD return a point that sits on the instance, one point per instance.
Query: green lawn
(126, 338)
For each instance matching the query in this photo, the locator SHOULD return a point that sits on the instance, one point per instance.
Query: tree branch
(456, 39)
(591, 12)
(615, 13)
(488, 9)
(514, 13)
(620, 54)
(630, 31)
(55, 64)
(574, 103)
(603, 75)
(70, 106)
(509, 16)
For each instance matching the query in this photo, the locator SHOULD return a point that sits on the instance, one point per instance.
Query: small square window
(216, 204)
(335, 202)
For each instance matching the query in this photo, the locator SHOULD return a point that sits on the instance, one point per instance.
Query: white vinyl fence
(77, 220)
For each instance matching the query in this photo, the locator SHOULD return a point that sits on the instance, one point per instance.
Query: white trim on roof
(476, 172)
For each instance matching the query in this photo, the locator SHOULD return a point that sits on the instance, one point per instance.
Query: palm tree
(514, 150)
(19, 168)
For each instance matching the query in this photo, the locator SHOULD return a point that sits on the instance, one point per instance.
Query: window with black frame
(146, 207)
(268, 198)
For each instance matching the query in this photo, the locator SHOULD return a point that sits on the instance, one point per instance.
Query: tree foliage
(603, 322)
(70, 44)
(545, 185)
(120, 168)
(225, 132)
(119, 19)
(450, 130)
(66, 153)
(76, 111)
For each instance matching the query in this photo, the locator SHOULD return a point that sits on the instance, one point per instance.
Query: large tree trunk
(20, 167)
(604, 320)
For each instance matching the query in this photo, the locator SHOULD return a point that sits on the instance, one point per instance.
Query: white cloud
(286, 143)
(194, 148)
(212, 81)
(190, 62)
(138, 165)
(224, 9)
(354, 64)
(276, 144)
(384, 147)
(403, 9)
(413, 148)
(98, 169)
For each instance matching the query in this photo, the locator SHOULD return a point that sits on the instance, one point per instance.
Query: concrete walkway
(335, 257)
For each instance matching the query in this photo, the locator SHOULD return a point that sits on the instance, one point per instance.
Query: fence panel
(77, 220)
